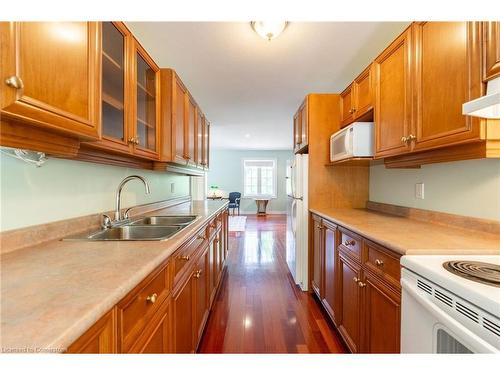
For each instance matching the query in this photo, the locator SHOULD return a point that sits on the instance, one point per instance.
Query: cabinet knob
(349, 242)
(152, 298)
(131, 140)
(200, 237)
(411, 137)
(355, 279)
(184, 257)
(404, 139)
(197, 274)
(379, 262)
(136, 141)
(361, 284)
(15, 82)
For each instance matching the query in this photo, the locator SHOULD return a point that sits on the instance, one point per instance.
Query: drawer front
(138, 307)
(212, 227)
(351, 242)
(383, 262)
(185, 255)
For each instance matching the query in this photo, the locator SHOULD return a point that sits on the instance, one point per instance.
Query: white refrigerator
(297, 219)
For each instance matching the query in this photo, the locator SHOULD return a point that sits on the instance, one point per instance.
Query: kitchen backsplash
(469, 188)
(62, 189)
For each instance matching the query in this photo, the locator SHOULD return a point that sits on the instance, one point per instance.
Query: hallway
(259, 309)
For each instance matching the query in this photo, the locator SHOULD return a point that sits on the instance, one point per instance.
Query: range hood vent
(487, 106)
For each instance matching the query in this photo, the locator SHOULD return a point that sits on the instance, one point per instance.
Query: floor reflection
(258, 248)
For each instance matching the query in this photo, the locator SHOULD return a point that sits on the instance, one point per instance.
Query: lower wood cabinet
(350, 302)
(183, 319)
(330, 256)
(381, 320)
(100, 338)
(316, 257)
(167, 312)
(357, 282)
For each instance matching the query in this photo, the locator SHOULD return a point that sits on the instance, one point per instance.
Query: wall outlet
(172, 187)
(419, 190)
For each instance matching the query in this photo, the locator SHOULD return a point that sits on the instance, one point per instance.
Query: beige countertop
(407, 236)
(53, 292)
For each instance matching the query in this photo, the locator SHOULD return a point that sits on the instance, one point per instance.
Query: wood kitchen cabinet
(183, 318)
(201, 279)
(356, 101)
(439, 70)
(350, 306)
(491, 50)
(381, 320)
(330, 273)
(317, 256)
(51, 94)
(360, 289)
(100, 338)
(301, 128)
(130, 105)
(393, 97)
(184, 135)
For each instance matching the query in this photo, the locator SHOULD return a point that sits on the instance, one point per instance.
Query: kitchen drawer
(185, 255)
(212, 227)
(139, 306)
(383, 262)
(351, 242)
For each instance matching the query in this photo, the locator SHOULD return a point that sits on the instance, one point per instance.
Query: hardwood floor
(259, 309)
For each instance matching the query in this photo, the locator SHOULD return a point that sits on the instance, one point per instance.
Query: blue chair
(234, 201)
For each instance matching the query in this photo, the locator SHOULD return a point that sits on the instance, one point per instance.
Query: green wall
(226, 171)
(63, 189)
(469, 188)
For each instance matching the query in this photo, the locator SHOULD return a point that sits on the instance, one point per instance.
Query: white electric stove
(450, 304)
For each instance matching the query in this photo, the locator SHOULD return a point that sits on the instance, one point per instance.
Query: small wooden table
(261, 206)
(214, 198)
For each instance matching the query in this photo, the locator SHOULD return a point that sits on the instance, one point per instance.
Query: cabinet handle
(132, 140)
(216, 240)
(379, 262)
(136, 141)
(197, 274)
(15, 82)
(200, 237)
(355, 279)
(411, 137)
(349, 242)
(184, 257)
(152, 298)
(361, 284)
(319, 226)
(404, 139)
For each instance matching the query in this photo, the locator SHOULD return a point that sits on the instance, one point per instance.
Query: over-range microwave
(354, 141)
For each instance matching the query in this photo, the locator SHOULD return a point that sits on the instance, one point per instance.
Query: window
(259, 178)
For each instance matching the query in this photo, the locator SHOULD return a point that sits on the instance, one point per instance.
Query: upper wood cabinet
(393, 97)
(356, 101)
(301, 128)
(184, 128)
(491, 50)
(130, 91)
(51, 77)
(206, 145)
(446, 75)
(146, 84)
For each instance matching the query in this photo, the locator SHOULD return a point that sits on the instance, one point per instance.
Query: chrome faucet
(118, 216)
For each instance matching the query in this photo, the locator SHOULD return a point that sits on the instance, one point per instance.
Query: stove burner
(485, 273)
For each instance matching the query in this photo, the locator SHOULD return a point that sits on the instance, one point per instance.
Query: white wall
(62, 189)
(226, 172)
(470, 188)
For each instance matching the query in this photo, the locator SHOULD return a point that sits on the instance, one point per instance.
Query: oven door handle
(477, 343)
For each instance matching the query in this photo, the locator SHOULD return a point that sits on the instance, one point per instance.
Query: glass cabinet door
(113, 84)
(146, 121)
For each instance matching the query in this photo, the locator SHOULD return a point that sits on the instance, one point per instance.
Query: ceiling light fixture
(268, 30)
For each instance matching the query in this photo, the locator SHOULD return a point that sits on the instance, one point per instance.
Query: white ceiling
(250, 88)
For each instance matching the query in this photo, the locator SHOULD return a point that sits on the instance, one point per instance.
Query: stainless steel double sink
(151, 228)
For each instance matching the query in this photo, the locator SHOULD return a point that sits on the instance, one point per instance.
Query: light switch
(419, 190)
